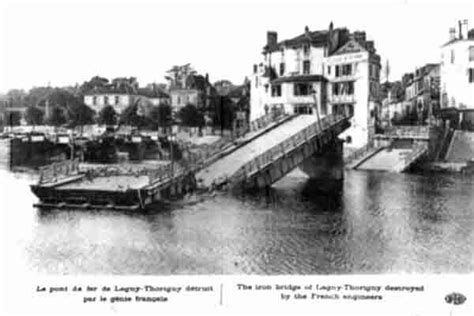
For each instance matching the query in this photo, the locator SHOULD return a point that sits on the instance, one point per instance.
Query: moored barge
(114, 187)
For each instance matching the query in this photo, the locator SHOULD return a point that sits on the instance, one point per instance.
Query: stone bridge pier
(327, 164)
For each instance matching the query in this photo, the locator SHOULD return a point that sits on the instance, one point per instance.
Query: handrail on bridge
(58, 170)
(407, 131)
(286, 146)
(265, 120)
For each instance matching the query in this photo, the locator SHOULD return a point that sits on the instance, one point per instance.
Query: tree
(107, 116)
(57, 117)
(79, 114)
(224, 113)
(130, 116)
(160, 116)
(62, 98)
(16, 98)
(34, 116)
(12, 118)
(191, 116)
(178, 75)
(94, 84)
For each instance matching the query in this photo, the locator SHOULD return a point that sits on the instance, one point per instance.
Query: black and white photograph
(237, 139)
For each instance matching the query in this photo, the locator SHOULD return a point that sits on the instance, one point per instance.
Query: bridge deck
(394, 160)
(231, 163)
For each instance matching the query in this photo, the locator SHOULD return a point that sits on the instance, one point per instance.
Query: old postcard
(237, 157)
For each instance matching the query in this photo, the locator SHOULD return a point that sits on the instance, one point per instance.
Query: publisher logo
(455, 298)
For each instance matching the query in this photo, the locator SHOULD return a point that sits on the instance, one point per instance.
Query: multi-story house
(422, 92)
(121, 96)
(333, 69)
(353, 72)
(196, 90)
(457, 73)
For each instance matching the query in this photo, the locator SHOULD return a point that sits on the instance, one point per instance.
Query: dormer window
(306, 49)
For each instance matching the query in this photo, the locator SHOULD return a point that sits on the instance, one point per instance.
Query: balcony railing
(344, 98)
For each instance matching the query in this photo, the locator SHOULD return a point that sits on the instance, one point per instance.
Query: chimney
(272, 38)
(369, 45)
(452, 34)
(359, 36)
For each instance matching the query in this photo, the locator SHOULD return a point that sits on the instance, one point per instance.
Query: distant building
(120, 97)
(239, 95)
(457, 72)
(422, 91)
(196, 90)
(337, 69)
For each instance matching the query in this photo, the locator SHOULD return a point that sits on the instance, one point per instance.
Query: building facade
(319, 72)
(422, 93)
(353, 72)
(119, 100)
(457, 70)
(196, 90)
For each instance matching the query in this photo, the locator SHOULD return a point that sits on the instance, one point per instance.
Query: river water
(377, 223)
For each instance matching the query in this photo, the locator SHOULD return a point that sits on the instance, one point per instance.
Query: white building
(457, 70)
(97, 100)
(337, 69)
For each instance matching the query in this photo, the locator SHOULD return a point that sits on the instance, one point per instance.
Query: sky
(67, 42)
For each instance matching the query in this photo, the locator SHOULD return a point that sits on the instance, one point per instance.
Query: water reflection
(372, 223)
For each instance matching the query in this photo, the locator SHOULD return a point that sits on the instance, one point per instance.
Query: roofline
(457, 40)
(124, 93)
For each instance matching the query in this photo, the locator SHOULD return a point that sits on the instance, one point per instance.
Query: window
(179, 100)
(276, 90)
(306, 49)
(117, 99)
(106, 100)
(346, 70)
(302, 89)
(471, 53)
(349, 109)
(343, 88)
(329, 70)
(282, 69)
(94, 100)
(343, 70)
(452, 56)
(471, 75)
(306, 67)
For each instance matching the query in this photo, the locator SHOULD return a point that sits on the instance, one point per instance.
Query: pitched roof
(152, 93)
(352, 46)
(316, 38)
